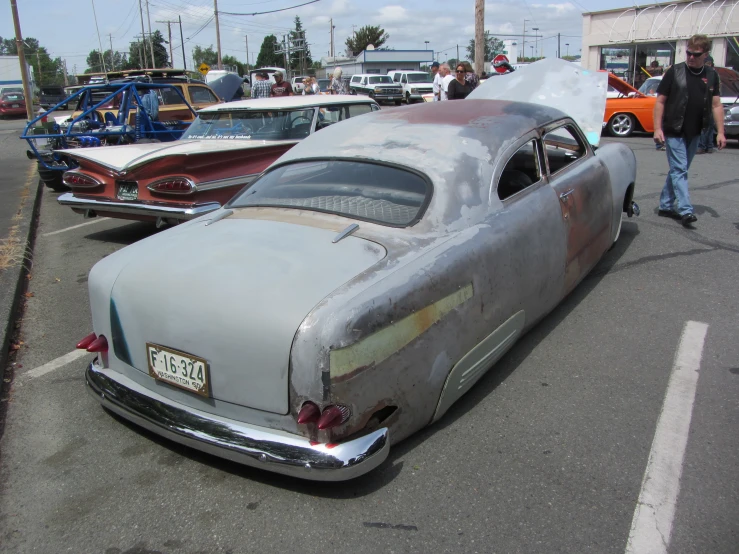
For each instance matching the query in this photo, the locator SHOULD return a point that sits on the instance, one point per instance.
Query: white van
(415, 84)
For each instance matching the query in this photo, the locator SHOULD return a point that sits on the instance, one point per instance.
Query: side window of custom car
(563, 146)
(521, 171)
(333, 114)
(201, 95)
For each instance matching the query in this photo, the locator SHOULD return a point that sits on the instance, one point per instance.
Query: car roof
(456, 144)
(288, 102)
(369, 75)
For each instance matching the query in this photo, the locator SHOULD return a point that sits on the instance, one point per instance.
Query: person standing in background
(470, 76)
(705, 142)
(459, 88)
(437, 81)
(686, 97)
(337, 84)
(280, 86)
(262, 87)
(446, 77)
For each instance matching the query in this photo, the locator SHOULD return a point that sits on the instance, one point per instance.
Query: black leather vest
(677, 100)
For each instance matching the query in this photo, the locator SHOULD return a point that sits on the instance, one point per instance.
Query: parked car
(223, 150)
(51, 95)
(630, 111)
(323, 84)
(297, 83)
(379, 87)
(129, 110)
(415, 84)
(649, 87)
(12, 104)
(359, 287)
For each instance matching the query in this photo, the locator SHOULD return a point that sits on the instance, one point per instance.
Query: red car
(223, 150)
(12, 104)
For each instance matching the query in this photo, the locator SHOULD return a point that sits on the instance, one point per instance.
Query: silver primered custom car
(360, 286)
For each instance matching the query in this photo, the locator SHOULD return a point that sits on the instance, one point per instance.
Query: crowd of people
(264, 88)
(457, 86)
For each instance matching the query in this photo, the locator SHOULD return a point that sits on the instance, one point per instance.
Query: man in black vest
(686, 98)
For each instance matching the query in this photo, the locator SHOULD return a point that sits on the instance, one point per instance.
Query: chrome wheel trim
(622, 124)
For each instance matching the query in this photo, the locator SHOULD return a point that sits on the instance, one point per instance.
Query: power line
(274, 11)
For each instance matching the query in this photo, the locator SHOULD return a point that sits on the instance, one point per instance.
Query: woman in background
(459, 88)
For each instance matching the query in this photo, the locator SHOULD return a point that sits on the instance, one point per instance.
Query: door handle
(564, 195)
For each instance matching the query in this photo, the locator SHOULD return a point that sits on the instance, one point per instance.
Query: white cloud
(392, 14)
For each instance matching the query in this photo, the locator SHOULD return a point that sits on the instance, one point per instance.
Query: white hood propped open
(556, 83)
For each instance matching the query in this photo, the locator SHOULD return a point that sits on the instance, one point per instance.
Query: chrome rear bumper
(140, 207)
(250, 445)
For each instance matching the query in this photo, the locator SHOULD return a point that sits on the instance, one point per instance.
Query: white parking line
(96, 220)
(651, 526)
(55, 364)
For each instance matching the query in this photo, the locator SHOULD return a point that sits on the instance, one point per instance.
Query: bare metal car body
(391, 320)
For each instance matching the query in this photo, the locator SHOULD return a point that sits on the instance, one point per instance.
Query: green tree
(267, 56)
(301, 60)
(369, 34)
(205, 55)
(46, 70)
(493, 47)
(136, 59)
(114, 61)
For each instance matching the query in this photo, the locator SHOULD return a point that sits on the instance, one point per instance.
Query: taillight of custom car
(77, 179)
(93, 343)
(333, 416)
(173, 185)
(309, 413)
(87, 341)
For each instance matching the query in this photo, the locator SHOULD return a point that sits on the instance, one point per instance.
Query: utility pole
(151, 42)
(112, 58)
(169, 32)
(38, 64)
(457, 54)
(100, 42)
(142, 52)
(22, 59)
(66, 76)
(523, 46)
(182, 40)
(218, 34)
(559, 50)
(479, 36)
(246, 37)
(331, 32)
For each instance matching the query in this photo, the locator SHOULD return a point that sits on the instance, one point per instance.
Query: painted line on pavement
(96, 220)
(55, 364)
(651, 526)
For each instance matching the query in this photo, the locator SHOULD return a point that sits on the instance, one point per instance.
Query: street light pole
(427, 44)
(567, 49)
(523, 47)
(536, 39)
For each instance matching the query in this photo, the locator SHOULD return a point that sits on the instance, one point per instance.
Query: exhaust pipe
(89, 214)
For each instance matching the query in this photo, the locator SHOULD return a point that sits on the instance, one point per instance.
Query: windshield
(650, 86)
(359, 190)
(251, 125)
(384, 79)
(419, 78)
(13, 97)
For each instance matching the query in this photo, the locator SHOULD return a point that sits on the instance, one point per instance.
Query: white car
(415, 84)
(297, 84)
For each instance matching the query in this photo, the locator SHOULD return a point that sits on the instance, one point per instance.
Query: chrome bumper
(250, 445)
(142, 208)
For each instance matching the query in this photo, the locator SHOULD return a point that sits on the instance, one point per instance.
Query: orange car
(630, 111)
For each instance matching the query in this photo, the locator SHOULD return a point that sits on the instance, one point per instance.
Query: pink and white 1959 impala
(224, 149)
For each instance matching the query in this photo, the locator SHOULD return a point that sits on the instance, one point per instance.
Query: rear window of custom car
(373, 192)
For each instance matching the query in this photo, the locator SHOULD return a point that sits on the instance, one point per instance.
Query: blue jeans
(680, 153)
(705, 141)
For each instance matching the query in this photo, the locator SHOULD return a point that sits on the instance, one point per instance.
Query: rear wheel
(52, 179)
(621, 125)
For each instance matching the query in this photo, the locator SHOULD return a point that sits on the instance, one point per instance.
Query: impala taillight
(77, 179)
(333, 416)
(173, 185)
(100, 344)
(87, 341)
(309, 413)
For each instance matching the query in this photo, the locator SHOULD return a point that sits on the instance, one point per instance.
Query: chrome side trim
(140, 207)
(250, 445)
(230, 182)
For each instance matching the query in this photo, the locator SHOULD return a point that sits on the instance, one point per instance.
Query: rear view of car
(52, 95)
(12, 104)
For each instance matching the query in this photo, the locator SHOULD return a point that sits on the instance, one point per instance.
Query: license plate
(178, 368)
(15, 105)
(127, 191)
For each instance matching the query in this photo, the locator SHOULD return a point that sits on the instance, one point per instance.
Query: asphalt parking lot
(548, 453)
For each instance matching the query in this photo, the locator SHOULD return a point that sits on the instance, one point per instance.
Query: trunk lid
(234, 293)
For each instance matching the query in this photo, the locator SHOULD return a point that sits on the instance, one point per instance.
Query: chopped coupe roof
(456, 144)
(288, 102)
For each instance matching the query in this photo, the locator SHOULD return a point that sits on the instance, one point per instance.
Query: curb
(13, 279)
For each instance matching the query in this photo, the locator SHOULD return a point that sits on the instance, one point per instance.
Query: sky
(67, 28)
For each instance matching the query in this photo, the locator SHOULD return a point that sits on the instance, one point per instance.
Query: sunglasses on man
(693, 54)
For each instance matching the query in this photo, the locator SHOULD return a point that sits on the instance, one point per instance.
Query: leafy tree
(301, 59)
(493, 47)
(369, 34)
(452, 63)
(136, 60)
(205, 55)
(46, 70)
(114, 61)
(267, 56)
